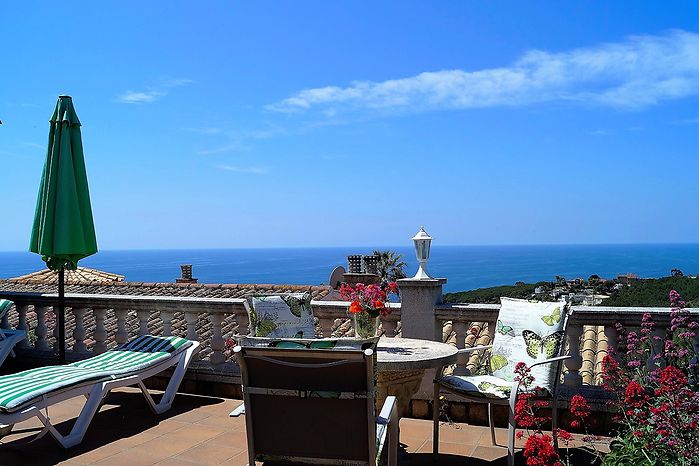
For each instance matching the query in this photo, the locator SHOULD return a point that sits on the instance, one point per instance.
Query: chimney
(355, 274)
(186, 274)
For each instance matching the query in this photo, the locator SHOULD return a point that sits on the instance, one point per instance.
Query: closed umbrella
(63, 231)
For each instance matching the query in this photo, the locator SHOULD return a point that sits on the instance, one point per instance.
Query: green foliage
(492, 295)
(654, 292)
(390, 266)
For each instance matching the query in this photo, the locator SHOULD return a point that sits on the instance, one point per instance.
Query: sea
(465, 267)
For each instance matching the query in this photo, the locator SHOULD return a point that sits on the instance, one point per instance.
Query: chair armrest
(552, 360)
(388, 410)
(474, 348)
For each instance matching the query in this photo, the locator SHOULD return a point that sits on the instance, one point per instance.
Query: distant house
(627, 278)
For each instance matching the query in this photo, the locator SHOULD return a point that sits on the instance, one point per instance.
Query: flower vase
(365, 326)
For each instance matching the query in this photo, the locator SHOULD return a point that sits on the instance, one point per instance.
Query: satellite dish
(336, 277)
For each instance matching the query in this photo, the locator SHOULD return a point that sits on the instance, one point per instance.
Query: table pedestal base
(401, 384)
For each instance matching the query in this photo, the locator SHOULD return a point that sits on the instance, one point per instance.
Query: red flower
(564, 435)
(355, 307)
(579, 407)
(635, 395)
(378, 304)
(671, 380)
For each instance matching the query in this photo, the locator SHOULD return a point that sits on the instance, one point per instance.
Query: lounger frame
(95, 391)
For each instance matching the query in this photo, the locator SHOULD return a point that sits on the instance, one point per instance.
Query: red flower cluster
(371, 299)
(539, 451)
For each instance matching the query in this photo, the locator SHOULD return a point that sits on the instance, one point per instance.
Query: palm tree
(390, 266)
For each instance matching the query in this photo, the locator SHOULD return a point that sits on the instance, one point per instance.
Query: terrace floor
(198, 431)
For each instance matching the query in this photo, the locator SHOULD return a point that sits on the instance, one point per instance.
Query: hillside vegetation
(652, 292)
(492, 295)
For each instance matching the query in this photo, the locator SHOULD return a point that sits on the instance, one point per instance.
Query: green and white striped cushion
(4, 306)
(17, 390)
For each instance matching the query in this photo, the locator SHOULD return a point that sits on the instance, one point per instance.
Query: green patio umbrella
(63, 231)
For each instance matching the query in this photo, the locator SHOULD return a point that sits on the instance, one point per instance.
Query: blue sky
(265, 124)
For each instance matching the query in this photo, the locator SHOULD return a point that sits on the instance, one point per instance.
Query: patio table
(401, 366)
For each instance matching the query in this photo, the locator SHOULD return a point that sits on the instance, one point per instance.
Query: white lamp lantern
(422, 250)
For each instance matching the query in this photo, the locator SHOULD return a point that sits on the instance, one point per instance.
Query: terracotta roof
(194, 290)
(81, 274)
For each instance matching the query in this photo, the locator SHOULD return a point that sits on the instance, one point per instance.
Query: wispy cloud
(205, 130)
(251, 170)
(687, 121)
(152, 93)
(34, 145)
(637, 72)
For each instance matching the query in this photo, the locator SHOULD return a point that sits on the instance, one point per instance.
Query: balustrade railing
(96, 323)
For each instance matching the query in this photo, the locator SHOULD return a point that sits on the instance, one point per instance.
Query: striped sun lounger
(24, 395)
(8, 338)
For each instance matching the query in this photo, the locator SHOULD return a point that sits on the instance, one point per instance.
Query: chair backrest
(528, 332)
(281, 316)
(309, 405)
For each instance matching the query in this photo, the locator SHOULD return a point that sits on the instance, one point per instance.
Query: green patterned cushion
(282, 316)
(528, 332)
(311, 343)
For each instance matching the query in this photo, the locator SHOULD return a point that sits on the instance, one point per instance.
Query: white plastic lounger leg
(238, 411)
(172, 386)
(79, 429)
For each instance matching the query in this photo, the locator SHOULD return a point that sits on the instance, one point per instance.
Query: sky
(280, 124)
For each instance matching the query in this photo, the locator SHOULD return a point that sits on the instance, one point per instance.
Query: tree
(676, 273)
(390, 265)
(593, 279)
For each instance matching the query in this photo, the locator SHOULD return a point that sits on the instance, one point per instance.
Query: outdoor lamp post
(422, 250)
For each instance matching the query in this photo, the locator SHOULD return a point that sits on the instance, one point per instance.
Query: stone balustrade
(96, 323)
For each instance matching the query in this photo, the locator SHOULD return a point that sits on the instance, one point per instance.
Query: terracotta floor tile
(235, 439)
(175, 462)
(412, 444)
(134, 457)
(448, 448)
(97, 454)
(209, 454)
(489, 453)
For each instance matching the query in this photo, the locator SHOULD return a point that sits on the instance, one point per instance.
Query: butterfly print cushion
(528, 332)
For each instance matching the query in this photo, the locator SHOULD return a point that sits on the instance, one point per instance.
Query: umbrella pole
(61, 317)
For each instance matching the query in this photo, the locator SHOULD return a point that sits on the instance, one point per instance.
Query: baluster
(602, 351)
(217, 343)
(22, 324)
(191, 319)
(589, 349)
(326, 326)
(122, 335)
(42, 343)
(658, 344)
(54, 311)
(573, 378)
(390, 325)
(447, 329)
(461, 328)
(79, 330)
(100, 332)
(610, 333)
(243, 320)
(167, 317)
(143, 315)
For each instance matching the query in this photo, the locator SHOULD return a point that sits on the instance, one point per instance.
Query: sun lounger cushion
(282, 316)
(17, 390)
(4, 306)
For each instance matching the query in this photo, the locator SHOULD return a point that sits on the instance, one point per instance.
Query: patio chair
(315, 406)
(24, 395)
(8, 337)
(531, 332)
(279, 316)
